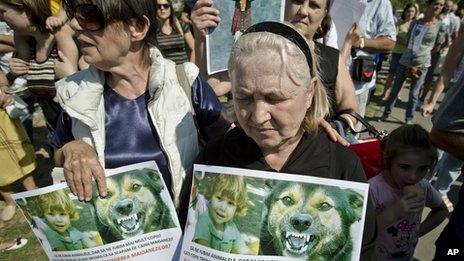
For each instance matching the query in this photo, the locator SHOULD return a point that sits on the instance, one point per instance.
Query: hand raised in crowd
(5, 99)
(18, 66)
(80, 165)
(410, 203)
(203, 16)
(427, 109)
(54, 22)
(353, 36)
(64, 67)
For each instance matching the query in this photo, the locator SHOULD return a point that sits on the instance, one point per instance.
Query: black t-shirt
(328, 63)
(315, 155)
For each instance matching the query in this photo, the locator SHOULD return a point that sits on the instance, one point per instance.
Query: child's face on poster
(222, 209)
(58, 221)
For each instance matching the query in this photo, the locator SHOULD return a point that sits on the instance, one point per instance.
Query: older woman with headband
(129, 106)
(279, 106)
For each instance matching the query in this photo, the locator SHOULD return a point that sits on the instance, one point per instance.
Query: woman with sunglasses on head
(312, 19)
(172, 36)
(128, 106)
(43, 64)
(279, 103)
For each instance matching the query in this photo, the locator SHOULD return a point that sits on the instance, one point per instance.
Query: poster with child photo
(136, 220)
(239, 214)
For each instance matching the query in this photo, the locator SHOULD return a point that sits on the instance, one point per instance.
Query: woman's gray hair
(293, 64)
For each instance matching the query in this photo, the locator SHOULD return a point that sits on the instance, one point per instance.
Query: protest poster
(136, 220)
(344, 14)
(239, 214)
(236, 17)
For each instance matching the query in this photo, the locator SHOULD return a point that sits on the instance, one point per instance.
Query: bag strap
(369, 128)
(184, 83)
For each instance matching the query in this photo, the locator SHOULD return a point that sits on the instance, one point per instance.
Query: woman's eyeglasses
(89, 16)
(164, 6)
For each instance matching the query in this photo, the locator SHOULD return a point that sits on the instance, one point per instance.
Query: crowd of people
(121, 82)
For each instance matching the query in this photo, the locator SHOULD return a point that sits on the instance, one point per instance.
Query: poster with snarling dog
(239, 214)
(136, 220)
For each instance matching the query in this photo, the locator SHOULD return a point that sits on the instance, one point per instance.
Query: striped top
(41, 74)
(173, 46)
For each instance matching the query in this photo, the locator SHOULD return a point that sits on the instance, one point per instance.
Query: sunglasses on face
(89, 16)
(163, 6)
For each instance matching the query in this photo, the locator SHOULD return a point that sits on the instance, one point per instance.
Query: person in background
(452, 24)
(426, 36)
(375, 33)
(449, 167)
(173, 38)
(448, 134)
(402, 27)
(44, 64)
(16, 155)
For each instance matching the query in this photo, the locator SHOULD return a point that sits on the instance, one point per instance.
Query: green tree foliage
(400, 4)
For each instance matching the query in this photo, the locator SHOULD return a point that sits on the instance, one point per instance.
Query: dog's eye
(325, 206)
(136, 187)
(288, 201)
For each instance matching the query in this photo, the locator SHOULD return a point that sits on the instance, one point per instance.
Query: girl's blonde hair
(410, 136)
(57, 201)
(293, 64)
(231, 187)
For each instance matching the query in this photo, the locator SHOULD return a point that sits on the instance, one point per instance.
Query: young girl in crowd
(400, 193)
(227, 195)
(58, 211)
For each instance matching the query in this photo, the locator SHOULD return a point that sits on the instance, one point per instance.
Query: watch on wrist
(361, 44)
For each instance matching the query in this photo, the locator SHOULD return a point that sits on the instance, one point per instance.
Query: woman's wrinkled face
(269, 106)
(164, 9)
(306, 15)
(15, 18)
(104, 48)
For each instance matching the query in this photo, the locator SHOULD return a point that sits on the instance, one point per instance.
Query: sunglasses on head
(163, 6)
(89, 16)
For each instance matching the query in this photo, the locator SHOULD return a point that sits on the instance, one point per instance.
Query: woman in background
(409, 14)
(172, 37)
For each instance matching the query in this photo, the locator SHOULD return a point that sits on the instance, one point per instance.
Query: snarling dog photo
(309, 221)
(133, 206)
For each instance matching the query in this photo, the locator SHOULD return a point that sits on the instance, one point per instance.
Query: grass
(19, 227)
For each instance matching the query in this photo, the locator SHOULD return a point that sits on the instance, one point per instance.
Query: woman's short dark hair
(127, 10)
(406, 9)
(36, 10)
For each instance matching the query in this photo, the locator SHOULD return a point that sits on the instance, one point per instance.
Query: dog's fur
(309, 221)
(133, 206)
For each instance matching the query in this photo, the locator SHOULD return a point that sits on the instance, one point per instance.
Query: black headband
(288, 33)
